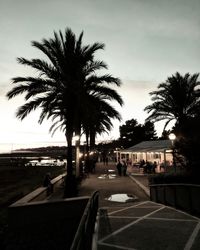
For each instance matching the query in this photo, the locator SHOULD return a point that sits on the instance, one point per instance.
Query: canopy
(149, 146)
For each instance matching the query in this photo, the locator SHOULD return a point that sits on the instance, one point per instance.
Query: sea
(10, 147)
(17, 151)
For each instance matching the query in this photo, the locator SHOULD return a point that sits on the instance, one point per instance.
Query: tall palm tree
(64, 83)
(176, 99)
(179, 99)
(98, 118)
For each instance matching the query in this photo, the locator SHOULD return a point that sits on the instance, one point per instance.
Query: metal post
(77, 152)
(172, 137)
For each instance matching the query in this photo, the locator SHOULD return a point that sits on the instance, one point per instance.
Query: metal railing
(179, 195)
(84, 234)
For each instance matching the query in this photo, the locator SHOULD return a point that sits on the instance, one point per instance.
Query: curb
(145, 189)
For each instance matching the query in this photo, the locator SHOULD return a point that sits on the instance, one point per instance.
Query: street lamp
(117, 151)
(77, 151)
(172, 138)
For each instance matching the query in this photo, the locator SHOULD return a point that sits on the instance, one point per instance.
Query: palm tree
(64, 84)
(98, 118)
(176, 99)
(179, 99)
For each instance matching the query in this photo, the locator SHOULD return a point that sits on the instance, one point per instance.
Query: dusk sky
(145, 42)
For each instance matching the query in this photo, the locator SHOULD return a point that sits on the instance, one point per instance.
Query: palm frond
(17, 90)
(25, 109)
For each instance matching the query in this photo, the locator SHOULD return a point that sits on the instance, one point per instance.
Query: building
(159, 151)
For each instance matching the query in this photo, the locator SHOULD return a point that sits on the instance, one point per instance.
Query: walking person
(119, 168)
(47, 183)
(154, 167)
(124, 168)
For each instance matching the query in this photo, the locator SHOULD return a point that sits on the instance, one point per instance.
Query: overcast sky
(146, 41)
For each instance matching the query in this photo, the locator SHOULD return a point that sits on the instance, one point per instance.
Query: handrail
(173, 184)
(183, 196)
(84, 233)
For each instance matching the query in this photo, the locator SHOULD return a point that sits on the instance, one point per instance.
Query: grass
(16, 182)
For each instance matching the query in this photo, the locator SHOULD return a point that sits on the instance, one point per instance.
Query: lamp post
(77, 152)
(172, 138)
(117, 154)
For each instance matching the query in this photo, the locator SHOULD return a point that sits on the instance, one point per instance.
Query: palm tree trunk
(77, 153)
(69, 154)
(86, 157)
(87, 141)
(92, 140)
(70, 189)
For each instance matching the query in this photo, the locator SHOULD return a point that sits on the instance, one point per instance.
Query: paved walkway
(140, 224)
(147, 226)
(108, 185)
(107, 182)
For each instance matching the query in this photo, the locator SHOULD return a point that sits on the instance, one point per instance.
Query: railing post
(164, 194)
(156, 193)
(190, 200)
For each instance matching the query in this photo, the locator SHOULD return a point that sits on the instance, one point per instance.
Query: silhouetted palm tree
(64, 84)
(177, 99)
(98, 118)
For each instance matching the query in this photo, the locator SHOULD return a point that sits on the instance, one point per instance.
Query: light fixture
(76, 137)
(172, 136)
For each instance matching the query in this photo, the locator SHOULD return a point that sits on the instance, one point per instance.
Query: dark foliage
(188, 142)
(132, 133)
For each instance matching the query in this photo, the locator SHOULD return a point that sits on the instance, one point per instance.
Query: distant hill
(52, 151)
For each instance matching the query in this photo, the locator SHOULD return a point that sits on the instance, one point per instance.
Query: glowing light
(172, 137)
(76, 137)
(80, 155)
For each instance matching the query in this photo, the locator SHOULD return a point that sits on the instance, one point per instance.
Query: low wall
(182, 196)
(40, 193)
(45, 224)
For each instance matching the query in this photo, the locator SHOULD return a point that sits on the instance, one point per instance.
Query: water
(109, 175)
(10, 147)
(45, 162)
(122, 198)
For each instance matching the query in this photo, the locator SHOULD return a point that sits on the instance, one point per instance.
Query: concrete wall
(46, 224)
(36, 223)
(40, 193)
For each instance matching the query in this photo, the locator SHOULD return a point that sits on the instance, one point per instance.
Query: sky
(146, 41)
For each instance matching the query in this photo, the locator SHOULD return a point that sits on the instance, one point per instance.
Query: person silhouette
(119, 168)
(47, 183)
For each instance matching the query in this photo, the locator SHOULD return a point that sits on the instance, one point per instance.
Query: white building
(159, 151)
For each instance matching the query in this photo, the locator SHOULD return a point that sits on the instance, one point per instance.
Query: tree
(178, 99)
(165, 135)
(132, 132)
(189, 144)
(98, 120)
(149, 131)
(64, 85)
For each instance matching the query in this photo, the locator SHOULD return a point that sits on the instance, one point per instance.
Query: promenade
(103, 181)
(106, 180)
(138, 224)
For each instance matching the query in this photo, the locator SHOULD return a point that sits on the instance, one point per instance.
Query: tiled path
(141, 225)
(147, 226)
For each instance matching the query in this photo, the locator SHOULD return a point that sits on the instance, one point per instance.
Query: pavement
(106, 180)
(137, 223)
(147, 226)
